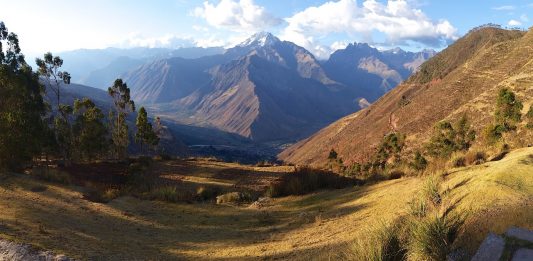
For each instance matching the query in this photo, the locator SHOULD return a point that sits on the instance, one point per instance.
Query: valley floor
(494, 195)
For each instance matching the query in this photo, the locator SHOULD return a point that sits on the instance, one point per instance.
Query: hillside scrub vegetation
(306, 180)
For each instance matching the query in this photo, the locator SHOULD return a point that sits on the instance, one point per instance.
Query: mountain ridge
(289, 97)
(462, 79)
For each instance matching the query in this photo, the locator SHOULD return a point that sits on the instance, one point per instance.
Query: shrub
(493, 133)
(332, 155)
(207, 192)
(448, 138)
(431, 238)
(396, 174)
(475, 157)
(306, 180)
(508, 109)
(390, 147)
(457, 160)
(111, 193)
(380, 243)
(529, 117)
(353, 170)
(419, 162)
(234, 197)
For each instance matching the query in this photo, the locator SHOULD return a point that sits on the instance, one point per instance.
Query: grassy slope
(496, 195)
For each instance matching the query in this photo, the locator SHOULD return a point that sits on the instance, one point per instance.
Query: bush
(419, 162)
(171, 194)
(306, 180)
(493, 133)
(234, 197)
(395, 174)
(431, 238)
(475, 157)
(448, 138)
(207, 193)
(111, 193)
(457, 160)
(381, 243)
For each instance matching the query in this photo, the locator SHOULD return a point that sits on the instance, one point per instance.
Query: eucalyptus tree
(123, 105)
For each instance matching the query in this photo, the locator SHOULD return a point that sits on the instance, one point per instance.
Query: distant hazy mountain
(99, 67)
(266, 89)
(371, 72)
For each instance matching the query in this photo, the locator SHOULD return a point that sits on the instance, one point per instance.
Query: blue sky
(320, 26)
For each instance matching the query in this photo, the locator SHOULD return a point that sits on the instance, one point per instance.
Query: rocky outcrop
(10, 251)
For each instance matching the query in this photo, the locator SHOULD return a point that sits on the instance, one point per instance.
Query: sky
(319, 26)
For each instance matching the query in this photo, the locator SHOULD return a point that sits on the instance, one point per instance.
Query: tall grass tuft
(432, 238)
(418, 207)
(431, 189)
(383, 242)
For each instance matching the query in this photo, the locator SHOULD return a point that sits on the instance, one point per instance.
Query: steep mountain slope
(463, 79)
(264, 89)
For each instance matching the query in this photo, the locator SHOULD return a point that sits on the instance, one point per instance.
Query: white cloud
(240, 16)
(217, 41)
(397, 20)
(338, 45)
(167, 41)
(504, 8)
(513, 22)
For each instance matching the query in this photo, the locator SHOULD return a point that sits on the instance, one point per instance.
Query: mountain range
(266, 90)
(463, 79)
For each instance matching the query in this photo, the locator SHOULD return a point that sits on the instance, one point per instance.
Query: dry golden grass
(318, 226)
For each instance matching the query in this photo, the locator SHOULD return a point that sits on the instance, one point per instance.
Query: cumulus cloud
(513, 22)
(239, 16)
(397, 20)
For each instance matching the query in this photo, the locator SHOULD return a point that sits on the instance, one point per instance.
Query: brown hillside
(463, 78)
